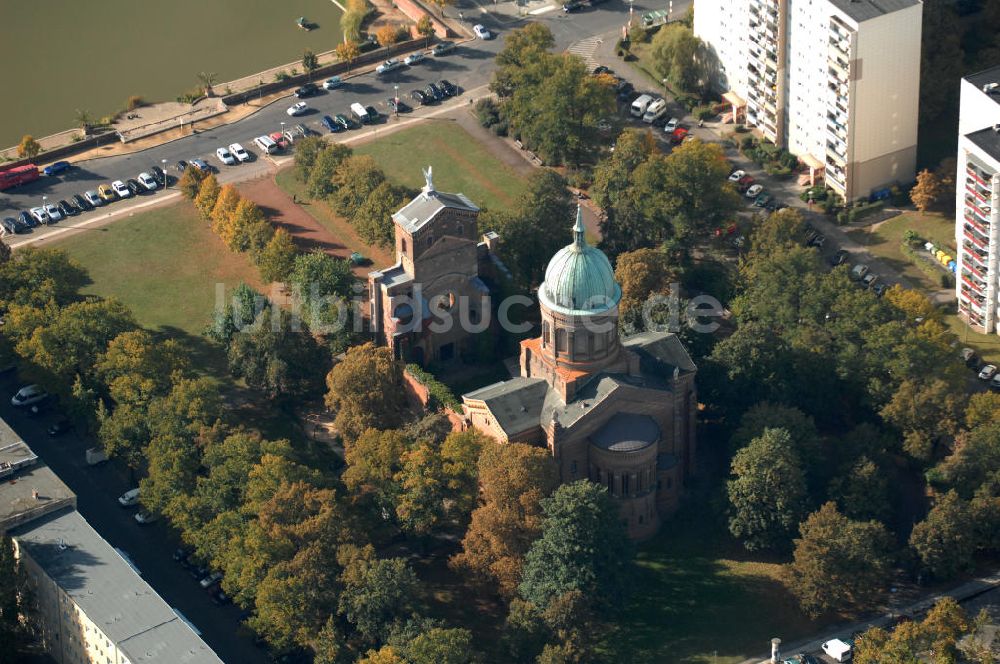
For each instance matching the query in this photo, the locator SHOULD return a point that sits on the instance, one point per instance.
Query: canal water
(64, 55)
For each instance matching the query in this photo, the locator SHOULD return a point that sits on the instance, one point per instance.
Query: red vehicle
(11, 177)
(745, 183)
(280, 139)
(678, 135)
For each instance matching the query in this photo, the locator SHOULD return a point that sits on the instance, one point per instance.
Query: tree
(242, 232)
(975, 459)
(514, 478)
(945, 540)
(190, 182)
(15, 600)
(681, 57)
(364, 389)
(839, 565)
(945, 173)
(28, 148)
(323, 284)
(387, 35)
(983, 408)
(373, 220)
(84, 120)
(277, 259)
(320, 182)
(384, 655)
(348, 51)
(641, 274)
(354, 179)
(306, 151)
(863, 491)
(240, 312)
(375, 591)
(926, 411)
(310, 63)
(767, 495)
(374, 460)
(225, 205)
(421, 509)
(208, 194)
(38, 276)
(582, 547)
(5, 252)
(278, 356)
(207, 80)
(425, 28)
(521, 47)
(927, 191)
(442, 646)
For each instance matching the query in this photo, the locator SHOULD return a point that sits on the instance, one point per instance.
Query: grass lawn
(702, 599)
(461, 163)
(885, 241)
(165, 264)
(987, 345)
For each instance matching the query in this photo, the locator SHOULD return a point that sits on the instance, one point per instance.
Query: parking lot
(150, 547)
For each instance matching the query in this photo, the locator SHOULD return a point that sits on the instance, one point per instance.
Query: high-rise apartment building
(836, 82)
(977, 204)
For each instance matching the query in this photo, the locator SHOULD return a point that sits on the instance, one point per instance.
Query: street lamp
(164, 162)
(630, 10)
(396, 98)
(665, 93)
(44, 211)
(282, 128)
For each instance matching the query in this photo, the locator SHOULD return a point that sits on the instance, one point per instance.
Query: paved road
(469, 67)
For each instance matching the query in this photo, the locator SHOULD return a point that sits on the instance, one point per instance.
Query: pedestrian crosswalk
(585, 48)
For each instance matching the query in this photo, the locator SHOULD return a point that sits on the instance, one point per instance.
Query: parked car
(220, 598)
(57, 168)
(434, 91)
(763, 200)
(297, 109)
(95, 198)
(879, 289)
(121, 189)
(839, 650)
(413, 58)
(146, 518)
(818, 241)
(840, 257)
(129, 498)
(181, 554)
(373, 114)
(201, 165)
(737, 175)
(671, 125)
(448, 88)
(158, 173)
(987, 372)
(301, 130)
(572, 6)
(343, 121)
(332, 83)
(82, 202)
(27, 395)
(443, 48)
(869, 280)
(421, 98)
(753, 191)
(330, 124)
(211, 580)
(307, 90)
(481, 31)
(148, 181)
(55, 214)
(67, 209)
(969, 357)
(995, 383)
(60, 426)
(237, 151)
(9, 225)
(134, 187)
(181, 166)
(39, 215)
(225, 156)
(390, 65)
(27, 219)
(859, 271)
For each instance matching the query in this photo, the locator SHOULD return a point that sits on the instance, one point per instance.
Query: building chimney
(34, 494)
(775, 651)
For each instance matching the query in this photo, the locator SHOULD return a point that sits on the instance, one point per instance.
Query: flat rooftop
(28, 488)
(865, 10)
(988, 141)
(109, 591)
(985, 77)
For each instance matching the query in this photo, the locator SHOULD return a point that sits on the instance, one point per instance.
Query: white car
(297, 109)
(988, 372)
(388, 66)
(148, 181)
(94, 198)
(481, 31)
(413, 58)
(838, 650)
(238, 152)
(225, 157)
(754, 191)
(210, 580)
(121, 189)
(671, 125)
(40, 215)
(129, 498)
(55, 214)
(143, 518)
(736, 176)
(28, 395)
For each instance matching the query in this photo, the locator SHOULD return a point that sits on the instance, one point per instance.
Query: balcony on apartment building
(979, 174)
(839, 69)
(980, 243)
(977, 223)
(976, 259)
(976, 283)
(974, 318)
(979, 207)
(979, 301)
(977, 190)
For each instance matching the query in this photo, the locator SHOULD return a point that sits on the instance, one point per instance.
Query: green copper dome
(579, 278)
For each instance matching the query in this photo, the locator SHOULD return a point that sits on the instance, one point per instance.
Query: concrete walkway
(961, 593)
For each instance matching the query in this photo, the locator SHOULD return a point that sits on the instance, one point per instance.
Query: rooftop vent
(990, 88)
(996, 128)
(62, 544)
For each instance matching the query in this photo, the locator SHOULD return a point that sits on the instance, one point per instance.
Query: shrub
(500, 128)
(947, 280)
(703, 112)
(281, 76)
(441, 394)
(487, 112)
(859, 212)
(747, 143)
(581, 178)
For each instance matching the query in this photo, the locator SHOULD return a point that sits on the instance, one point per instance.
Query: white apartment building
(977, 204)
(835, 82)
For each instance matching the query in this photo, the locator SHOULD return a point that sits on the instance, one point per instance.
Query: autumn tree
(862, 492)
(247, 228)
(983, 408)
(944, 541)
(225, 205)
(767, 495)
(348, 51)
(355, 178)
(28, 148)
(387, 35)
(190, 181)
(514, 479)
(208, 194)
(376, 592)
(306, 151)
(926, 411)
(322, 284)
(373, 219)
(425, 28)
(927, 191)
(582, 547)
(277, 259)
(374, 460)
(320, 180)
(310, 63)
(839, 565)
(681, 57)
(364, 389)
(442, 646)
(240, 312)
(641, 274)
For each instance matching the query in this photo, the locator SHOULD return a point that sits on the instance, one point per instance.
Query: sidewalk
(960, 593)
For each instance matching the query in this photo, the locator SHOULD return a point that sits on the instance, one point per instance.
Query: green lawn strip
(885, 241)
(702, 599)
(461, 163)
(987, 345)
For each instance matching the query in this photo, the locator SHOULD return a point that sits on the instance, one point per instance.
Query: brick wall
(415, 11)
